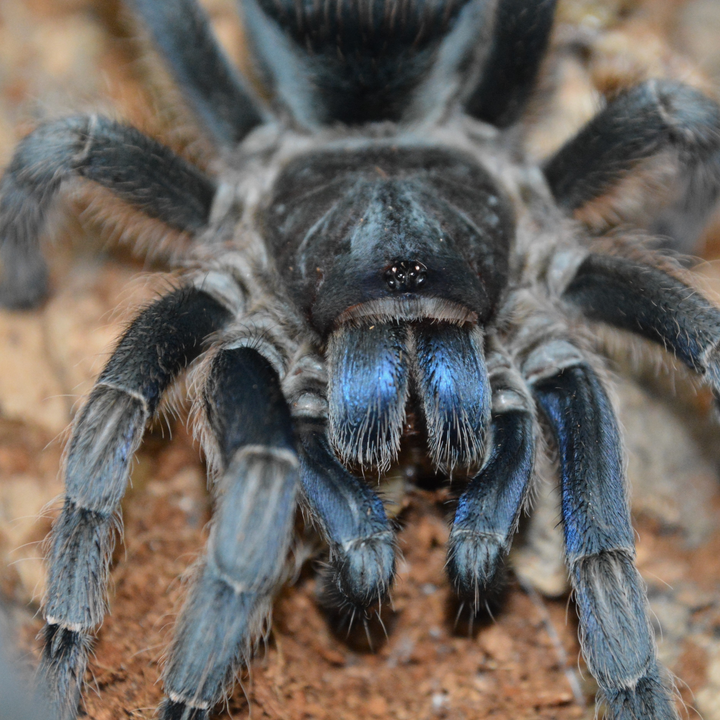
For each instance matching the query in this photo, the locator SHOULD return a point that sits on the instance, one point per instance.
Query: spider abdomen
(361, 63)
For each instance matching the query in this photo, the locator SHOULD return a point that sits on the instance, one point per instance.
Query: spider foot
(475, 565)
(648, 698)
(62, 667)
(362, 574)
(171, 710)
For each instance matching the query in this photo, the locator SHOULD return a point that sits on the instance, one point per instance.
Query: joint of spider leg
(176, 708)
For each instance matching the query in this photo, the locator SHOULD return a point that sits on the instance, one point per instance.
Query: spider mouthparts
(372, 369)
(405, 276)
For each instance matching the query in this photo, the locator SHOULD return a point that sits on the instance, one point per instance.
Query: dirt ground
(62, 56)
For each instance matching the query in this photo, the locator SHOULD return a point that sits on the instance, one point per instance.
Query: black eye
(405, 276)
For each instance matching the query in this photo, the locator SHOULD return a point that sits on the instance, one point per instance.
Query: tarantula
(375, 240)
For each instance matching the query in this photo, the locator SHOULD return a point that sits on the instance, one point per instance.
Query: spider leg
(656, 116)
(489, 510)
(136, 168)
(352, 519)
(650, 302)
(256, 499)
(216, 91)
(162, 340)
(615, 632)
(520, 39)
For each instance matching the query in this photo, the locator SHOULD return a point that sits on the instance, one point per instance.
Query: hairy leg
(615, 630)
(352, 519)
(654, 117)
(230, 598)
(520, 39)
(137, 169)
(216, 91)
(489, 510)
(155, 348)
(651, 302)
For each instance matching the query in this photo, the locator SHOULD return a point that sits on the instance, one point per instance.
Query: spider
(375, 252)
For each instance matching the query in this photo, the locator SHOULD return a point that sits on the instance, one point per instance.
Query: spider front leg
(158, 345)
(256, 498)
(615, 631)
(137, 169)
(352, 519)
(489, 510)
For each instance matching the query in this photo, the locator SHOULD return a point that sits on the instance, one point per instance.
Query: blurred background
(60, 57)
